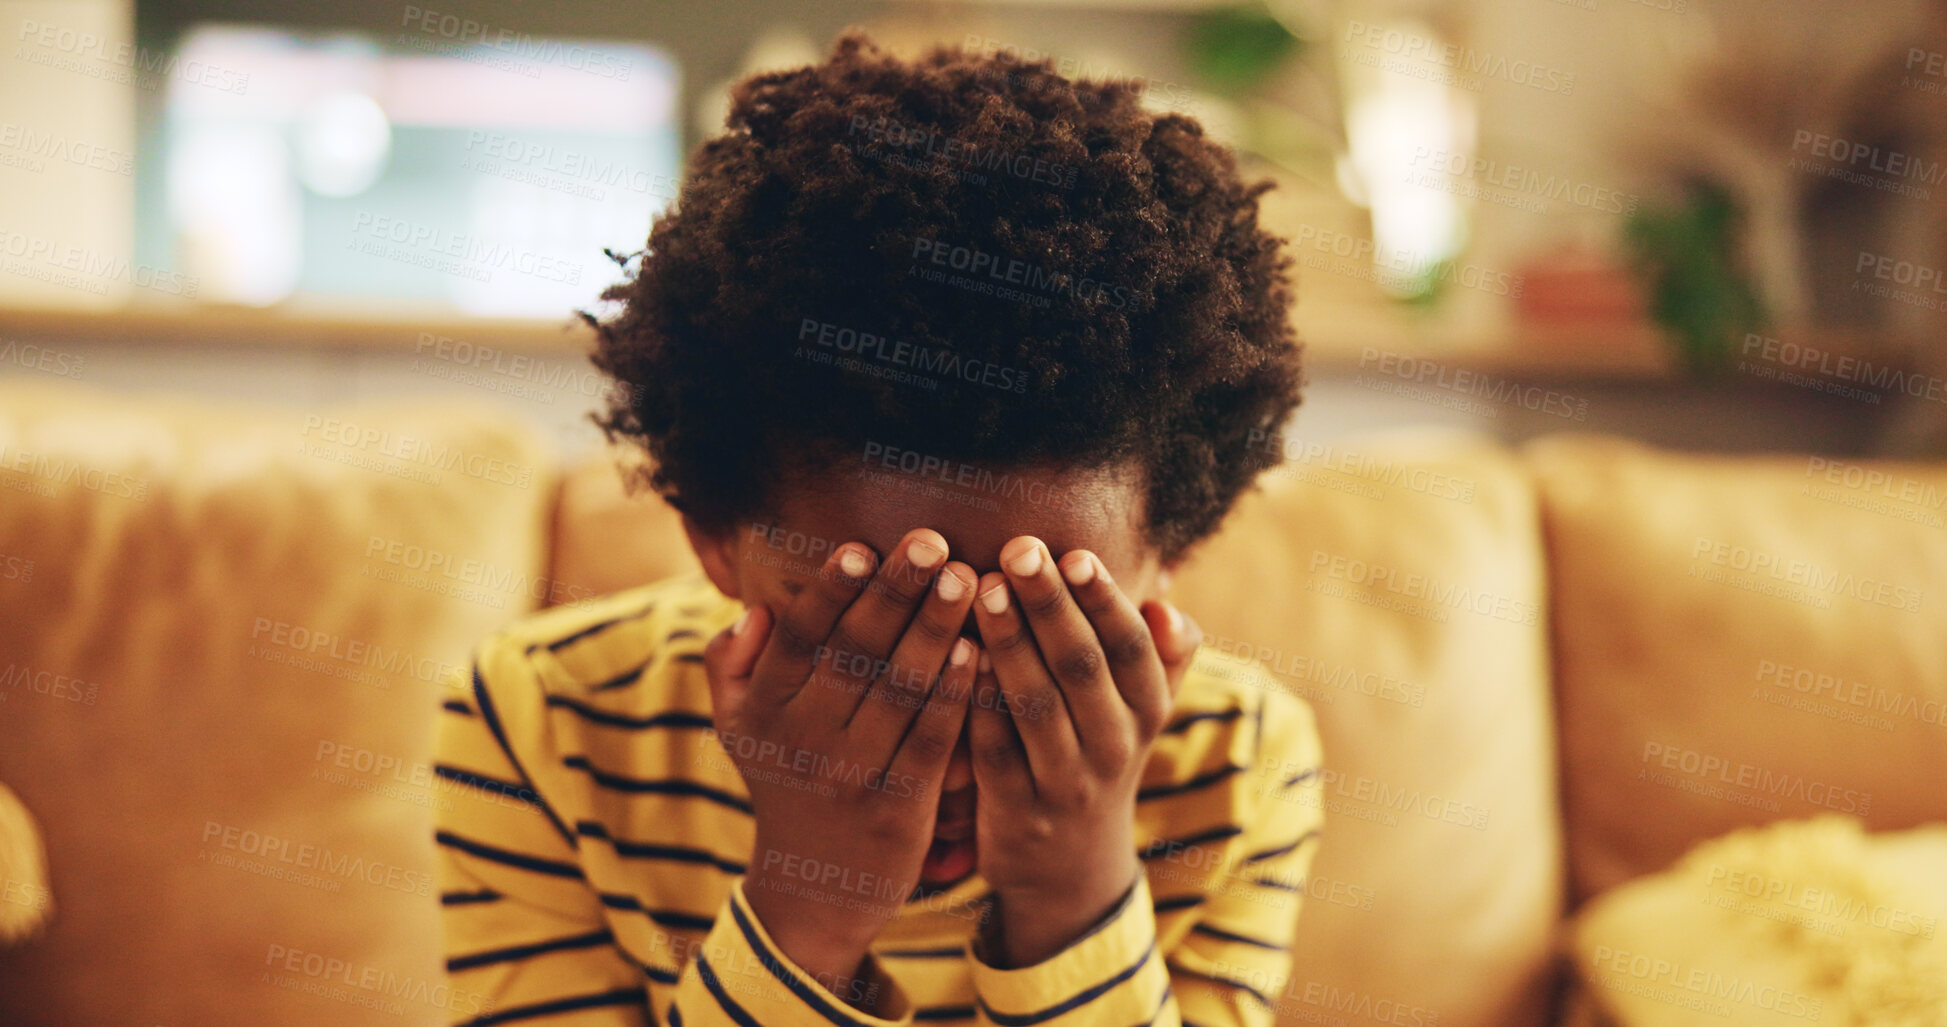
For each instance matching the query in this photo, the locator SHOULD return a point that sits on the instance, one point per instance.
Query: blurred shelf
(346, 328)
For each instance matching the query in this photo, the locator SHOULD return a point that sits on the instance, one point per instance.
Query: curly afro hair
(1045, 274)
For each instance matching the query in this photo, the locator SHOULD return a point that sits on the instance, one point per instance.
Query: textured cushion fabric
(25, 903)
(606, 540)
(1740, 640)
(1802, 921)
(1441, 846)
(218, 687)
(1396, 583)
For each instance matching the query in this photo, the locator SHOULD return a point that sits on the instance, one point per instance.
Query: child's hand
(836, 725)
(1084, 682)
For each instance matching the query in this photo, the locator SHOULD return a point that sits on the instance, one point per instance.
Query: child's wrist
(828, 943)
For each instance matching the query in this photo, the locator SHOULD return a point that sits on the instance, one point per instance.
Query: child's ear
(717, 552)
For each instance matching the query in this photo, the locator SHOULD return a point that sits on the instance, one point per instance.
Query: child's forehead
(1068, 509)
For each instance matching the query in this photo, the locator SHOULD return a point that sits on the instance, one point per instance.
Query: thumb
(1177, 638)
(731, 656)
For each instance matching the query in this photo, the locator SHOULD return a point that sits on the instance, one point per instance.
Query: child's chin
(947, 862)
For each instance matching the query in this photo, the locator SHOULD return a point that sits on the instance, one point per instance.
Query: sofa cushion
(1740, 640)
(220, 676)
(1441, 841)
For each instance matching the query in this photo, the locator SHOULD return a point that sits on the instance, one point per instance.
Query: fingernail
(852, 562)
(986, 663)
(1176, 620)
(743, 623)
(996, 599)
(950, 587)
(924, 555)
(1027, 563)
(962, 652)
(1080, 572)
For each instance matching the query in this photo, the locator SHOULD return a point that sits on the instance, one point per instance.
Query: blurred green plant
(1237, 49)
(1686, 256)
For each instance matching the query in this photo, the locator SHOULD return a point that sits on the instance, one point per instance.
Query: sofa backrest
(1740, 640)
(223, 635)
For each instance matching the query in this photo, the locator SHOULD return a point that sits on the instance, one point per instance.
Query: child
(946, 365)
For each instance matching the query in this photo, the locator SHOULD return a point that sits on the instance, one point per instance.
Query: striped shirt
(591, 860)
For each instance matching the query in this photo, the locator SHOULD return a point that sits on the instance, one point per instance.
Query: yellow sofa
(225, 629)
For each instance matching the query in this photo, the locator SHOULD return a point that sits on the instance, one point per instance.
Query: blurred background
(1704, 223)
(293, 415)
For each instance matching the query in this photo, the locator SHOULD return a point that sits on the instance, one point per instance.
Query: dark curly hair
(1090, 278)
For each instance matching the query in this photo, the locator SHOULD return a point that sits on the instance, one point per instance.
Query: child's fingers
(1000, 761)
(928, 745)
(1177, 638)
(807, 620)
(1028, 692)
(1125, 637)
(731, 656)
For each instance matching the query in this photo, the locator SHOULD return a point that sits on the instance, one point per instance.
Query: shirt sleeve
(526, 938)
(1225, 971)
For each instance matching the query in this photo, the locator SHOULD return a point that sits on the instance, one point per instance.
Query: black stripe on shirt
(454, 964)
(1073, 1002)
(618, 997)
(953, 952)
(797, 987)
(567, 640)
(1225, 981)
(1178, 903)
(1165, 846)
(944, 1013)
(1203, 780)
(492, 718)
(1222, 935)
(506, 857)
(673, 718)
(666, 786)
(1183, 723)
(1259, 857)
(646, 850)
(468, 898)
(724, 1001)
(624, 679)
(457, 706)
(662, 917)
(485, 783)
(1303, 775)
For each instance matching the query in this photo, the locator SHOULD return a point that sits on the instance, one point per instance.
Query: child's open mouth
(949, 859)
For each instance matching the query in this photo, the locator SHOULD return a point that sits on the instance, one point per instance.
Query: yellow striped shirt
(591, 861)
